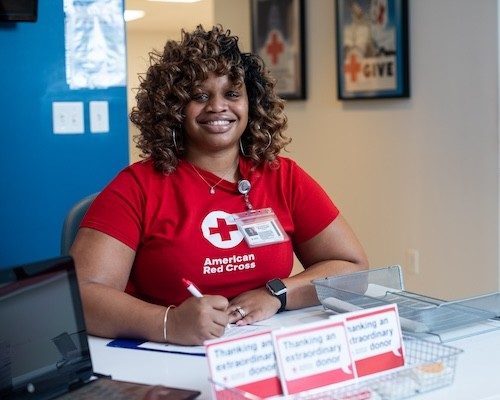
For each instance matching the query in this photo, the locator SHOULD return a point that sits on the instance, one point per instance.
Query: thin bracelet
(165, 321)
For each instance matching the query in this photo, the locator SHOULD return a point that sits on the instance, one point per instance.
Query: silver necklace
(212, 187)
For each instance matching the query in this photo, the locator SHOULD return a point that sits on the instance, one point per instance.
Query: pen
(192, 288)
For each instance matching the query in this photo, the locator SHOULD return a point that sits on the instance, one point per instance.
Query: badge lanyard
(244, 187)
(259, 227)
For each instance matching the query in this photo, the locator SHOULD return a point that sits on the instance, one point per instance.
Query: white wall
(419, 173)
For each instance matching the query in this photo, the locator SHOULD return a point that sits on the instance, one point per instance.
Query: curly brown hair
(168, 84)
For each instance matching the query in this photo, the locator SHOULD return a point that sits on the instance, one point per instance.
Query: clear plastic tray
(418, 313)
(429, 366)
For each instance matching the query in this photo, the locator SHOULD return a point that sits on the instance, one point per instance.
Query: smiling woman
(205, 77)
(212, 202)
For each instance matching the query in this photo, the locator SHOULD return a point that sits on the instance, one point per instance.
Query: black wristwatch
(278, 289)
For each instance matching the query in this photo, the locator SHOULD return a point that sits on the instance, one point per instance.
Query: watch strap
(280, 294)
(282, 299)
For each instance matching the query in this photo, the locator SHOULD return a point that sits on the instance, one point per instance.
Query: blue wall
(41, 174)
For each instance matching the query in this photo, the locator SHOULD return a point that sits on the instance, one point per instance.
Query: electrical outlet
(99, 116)
(67, 117)
(412, 261)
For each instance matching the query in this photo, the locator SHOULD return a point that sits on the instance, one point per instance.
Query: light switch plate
(67, 117)
(99, 117)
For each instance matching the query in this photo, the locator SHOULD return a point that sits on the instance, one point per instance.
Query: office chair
(72, 222)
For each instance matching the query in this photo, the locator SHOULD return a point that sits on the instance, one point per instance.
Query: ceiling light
(130, 15)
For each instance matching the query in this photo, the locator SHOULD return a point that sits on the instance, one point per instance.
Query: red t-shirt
(178, 229)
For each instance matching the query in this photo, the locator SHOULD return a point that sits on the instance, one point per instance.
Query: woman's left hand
(252, 306)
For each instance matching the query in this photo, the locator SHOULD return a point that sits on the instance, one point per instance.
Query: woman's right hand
(197, 320)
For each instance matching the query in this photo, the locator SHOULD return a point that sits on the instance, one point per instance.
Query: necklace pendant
(212, 190)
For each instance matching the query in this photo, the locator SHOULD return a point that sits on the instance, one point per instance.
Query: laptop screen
(43, 342)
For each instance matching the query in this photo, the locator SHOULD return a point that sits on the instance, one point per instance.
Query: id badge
(260, 227)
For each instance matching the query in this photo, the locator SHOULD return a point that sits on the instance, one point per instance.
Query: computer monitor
(18, 10)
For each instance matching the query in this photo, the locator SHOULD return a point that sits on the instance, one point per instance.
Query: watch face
(276, 286)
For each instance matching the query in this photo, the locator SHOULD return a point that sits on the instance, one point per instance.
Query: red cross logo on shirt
(352, 67)
(223, 229)
(219, 228)
(275, 47)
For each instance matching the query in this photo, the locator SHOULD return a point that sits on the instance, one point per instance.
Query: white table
(477, 374)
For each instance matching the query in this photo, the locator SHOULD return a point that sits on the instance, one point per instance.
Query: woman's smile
(217, 125)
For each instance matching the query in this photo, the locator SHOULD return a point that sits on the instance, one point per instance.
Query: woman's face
(216, 116)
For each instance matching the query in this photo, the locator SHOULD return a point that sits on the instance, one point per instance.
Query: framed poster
(372, 49)
(278, 37)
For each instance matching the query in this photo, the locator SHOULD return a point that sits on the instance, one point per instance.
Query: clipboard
(159, 347)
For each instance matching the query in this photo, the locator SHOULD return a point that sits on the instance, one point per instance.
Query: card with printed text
(375, 339)
(247, 363)
(313, 355)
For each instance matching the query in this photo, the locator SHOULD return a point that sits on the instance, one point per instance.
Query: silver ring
(241, 311)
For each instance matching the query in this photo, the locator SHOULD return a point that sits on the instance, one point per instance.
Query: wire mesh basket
(428, 366)
(418, 313)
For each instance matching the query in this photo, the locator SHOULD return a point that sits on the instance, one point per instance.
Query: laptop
(44, 351)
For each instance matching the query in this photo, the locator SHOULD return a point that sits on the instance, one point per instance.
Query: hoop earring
(242, 150)
(270, 140)
(174, 134)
